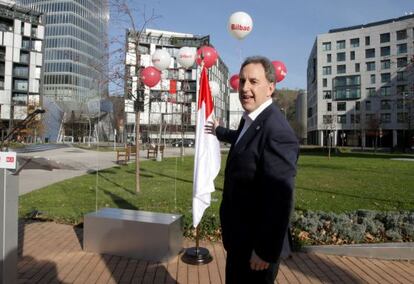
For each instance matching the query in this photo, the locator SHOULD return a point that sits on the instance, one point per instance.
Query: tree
(329, 126)
(132, 41)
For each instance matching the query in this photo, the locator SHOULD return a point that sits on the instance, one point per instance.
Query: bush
(355, 227)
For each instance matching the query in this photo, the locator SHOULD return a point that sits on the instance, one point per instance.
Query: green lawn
(341, 184)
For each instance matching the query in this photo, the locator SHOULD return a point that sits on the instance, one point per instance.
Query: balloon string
(240, 52)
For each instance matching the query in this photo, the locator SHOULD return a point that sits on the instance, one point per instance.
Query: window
(385, 51)
(370, 92)
(402, 117)
(326, 46)
(402, 34)
(401, 89)
(370, 118)
(327, 119)
(19, 99)
(400, 104)
(401, 76)
(328, 58)
(386, 91)
(341, 69)
(401, 48)
(340, 44)
(370, 53)
(385, 117)
(20, 85)
(402, 62)
(367, 105)
(354, 42)
(352, 55)
(327, 70)
(325, 82)
(371, 66)
(340, 56)
(342, 118)
(355, 118)
(372, 78)
(385, 64)
(385, 77)
(357, 67)
(341, 106)
(21, 71)
(329, 106)
(385, 105)
(367, 40)
(357, 105)
(347, 87)
(310, 112)
(385, 37)
(327, 94)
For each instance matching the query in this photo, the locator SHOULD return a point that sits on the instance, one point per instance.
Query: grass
(344, 183)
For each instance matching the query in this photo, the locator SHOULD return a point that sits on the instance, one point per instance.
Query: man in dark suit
(259, 179)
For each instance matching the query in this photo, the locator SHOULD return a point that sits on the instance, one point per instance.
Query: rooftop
(403, 18)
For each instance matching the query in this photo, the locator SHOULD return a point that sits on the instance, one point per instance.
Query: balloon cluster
(240, 24)
(280, 74)
(187, 56)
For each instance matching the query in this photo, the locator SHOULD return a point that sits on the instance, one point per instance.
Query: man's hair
(266, 63)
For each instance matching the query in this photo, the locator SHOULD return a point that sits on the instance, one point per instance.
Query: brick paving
(52, 253)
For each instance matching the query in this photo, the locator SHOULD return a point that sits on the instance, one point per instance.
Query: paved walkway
(79, 160)
(52, 253)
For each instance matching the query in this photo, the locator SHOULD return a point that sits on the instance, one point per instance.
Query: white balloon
(240, 25)
(215, 88)
(186, 56)
(161, 59)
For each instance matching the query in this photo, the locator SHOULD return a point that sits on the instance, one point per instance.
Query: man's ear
(271, 89)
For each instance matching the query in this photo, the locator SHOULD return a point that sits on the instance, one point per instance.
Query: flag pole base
(197, 256)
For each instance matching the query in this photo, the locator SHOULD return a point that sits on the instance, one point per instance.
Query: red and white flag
(207, 153)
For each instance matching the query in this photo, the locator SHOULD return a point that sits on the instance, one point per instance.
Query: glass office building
(75, 64)
(74, 49)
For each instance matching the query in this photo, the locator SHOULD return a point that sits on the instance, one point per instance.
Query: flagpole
(197, 255)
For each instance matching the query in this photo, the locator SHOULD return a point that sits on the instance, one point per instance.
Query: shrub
(354, 227)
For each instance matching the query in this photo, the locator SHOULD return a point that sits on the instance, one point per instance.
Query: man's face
(254, 88)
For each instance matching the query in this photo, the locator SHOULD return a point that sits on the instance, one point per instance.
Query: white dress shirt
(250, 117)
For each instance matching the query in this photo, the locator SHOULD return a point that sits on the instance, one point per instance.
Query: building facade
(170, 107)
(21, 46)
(75, 59)
(360, 85)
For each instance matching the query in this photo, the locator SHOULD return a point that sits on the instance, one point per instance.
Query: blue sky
(283, 30)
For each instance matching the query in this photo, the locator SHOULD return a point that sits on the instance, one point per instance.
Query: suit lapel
(253, 131)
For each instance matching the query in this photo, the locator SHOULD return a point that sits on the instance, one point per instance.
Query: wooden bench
(122, 156)
(152, 151)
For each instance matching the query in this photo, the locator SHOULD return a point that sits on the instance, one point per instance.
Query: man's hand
(256, 263)
(210, 127)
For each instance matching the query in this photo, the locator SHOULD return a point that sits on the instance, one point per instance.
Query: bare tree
(127, 19)
(329, 125)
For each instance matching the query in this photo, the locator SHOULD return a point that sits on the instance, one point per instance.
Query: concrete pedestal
(9, 195)
(137, 234)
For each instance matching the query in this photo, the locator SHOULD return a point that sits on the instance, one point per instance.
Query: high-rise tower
(74, 54)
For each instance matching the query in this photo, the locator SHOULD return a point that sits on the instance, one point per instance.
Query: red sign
(239, 27)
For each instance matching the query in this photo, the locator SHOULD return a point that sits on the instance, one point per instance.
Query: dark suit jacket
(258, 185)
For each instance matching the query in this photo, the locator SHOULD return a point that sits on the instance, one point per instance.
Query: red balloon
(210, 56)
(280, 70)
(234, 82)
(150, 76)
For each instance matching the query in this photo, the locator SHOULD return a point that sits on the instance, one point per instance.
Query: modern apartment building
(75, 60)
(360, 85)
(21, 40)
(170, 107)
